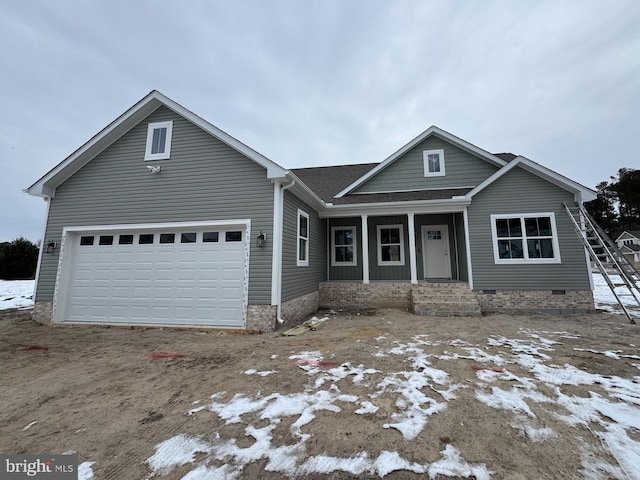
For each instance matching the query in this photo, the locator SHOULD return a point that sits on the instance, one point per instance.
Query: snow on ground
(604, 298)
(16, 294)
(420, 391)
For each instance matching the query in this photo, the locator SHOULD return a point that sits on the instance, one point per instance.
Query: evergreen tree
(18, 259)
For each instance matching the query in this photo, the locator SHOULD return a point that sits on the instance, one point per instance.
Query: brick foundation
(536, 301)
(300, 307)
(42, 312)
(261, 318)
(381, 295)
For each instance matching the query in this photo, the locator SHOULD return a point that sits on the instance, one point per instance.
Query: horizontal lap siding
(203, 180)
(297, 281)
(407, 173)
(351, 272)
(518, 192)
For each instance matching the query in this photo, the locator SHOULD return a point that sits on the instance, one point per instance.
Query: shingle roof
(327, 181)
(507, 157)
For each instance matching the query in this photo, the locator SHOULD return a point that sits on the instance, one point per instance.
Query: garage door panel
(192, 283)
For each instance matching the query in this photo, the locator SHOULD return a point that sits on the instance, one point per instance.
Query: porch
(439, 299)
(411, 247)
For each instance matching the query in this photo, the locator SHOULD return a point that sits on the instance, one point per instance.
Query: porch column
(365, 249)
(412, 248)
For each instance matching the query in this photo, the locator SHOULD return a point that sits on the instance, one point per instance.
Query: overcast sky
(326, 82)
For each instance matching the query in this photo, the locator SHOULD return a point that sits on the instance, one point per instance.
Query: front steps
(446, 299)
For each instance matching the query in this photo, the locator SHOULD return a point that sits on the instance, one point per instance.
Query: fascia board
(396, 208)
(304, 192)
(581, 193)
(432, 130)
(128, 120)
(274, 171)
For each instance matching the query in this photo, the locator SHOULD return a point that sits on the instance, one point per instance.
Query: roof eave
(432, 130)
(455, 204)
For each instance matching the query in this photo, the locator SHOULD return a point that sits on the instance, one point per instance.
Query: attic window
(433, 163)
(158, 141)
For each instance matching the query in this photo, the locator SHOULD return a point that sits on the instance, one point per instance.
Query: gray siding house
(164, 219)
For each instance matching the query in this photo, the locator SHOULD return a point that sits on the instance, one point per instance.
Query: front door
(435, 245)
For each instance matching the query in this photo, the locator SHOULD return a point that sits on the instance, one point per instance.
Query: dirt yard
(394, 395)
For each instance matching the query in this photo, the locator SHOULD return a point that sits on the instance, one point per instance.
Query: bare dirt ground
(97, 392)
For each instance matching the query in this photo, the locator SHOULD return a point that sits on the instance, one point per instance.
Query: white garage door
(179, 276)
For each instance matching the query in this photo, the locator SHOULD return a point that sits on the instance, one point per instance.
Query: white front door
(435, 247)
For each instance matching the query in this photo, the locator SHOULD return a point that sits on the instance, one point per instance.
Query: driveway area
(390, 395)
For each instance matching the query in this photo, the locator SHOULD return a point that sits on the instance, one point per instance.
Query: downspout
(276, 264)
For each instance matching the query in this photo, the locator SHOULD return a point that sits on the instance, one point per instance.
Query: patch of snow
(366, 408)
(85, 471)
(16, 294)
(453, 465)
(29, 426)
(253, 371)
(605, 299)
(607, 353)
(176, 451)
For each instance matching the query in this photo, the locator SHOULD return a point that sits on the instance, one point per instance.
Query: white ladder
(605, 254)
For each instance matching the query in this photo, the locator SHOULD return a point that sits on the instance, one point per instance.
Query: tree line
(617, 207)
(18, 259)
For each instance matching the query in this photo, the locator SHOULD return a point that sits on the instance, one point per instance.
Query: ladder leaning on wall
(607, 257)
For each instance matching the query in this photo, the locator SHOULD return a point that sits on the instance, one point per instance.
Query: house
(629, 244)
(164, 219)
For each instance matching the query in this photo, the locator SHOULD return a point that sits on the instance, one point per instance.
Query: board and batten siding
(407, 172)
(300, 280)
(520, 192)
(203, 180)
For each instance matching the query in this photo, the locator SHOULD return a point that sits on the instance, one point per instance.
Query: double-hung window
(433, 163)
(390, 245)
(343, 244)
(303, 239)
(528, 238)
(158, 141)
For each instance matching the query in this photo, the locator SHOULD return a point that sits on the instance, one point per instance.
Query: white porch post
(365, 249)
(412, 248)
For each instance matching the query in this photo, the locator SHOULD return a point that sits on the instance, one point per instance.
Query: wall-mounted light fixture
(154, 169)
(261, 239)
(50, 246)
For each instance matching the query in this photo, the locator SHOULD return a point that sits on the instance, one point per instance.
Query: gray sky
(326, 82)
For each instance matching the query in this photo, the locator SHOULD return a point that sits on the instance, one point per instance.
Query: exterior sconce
(261, 239)
(51, 245)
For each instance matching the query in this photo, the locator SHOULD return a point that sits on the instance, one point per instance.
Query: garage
(175, 274)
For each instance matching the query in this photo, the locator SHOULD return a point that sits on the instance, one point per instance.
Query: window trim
(425, 162)
(382, 263)
(305, 262)
(526, 260)
(167, 144)
(334, 262)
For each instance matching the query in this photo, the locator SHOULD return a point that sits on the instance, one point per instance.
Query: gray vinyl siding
(519, 192)
(351, 272)
(297, 281)
(456, 240)
(203, 180)
(407, 173)
(388, 272)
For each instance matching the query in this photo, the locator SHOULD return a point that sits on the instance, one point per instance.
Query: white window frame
(335, 262)
(167, 144)
(425, 159)
(305, 262)
(525, 248)
(382, 263)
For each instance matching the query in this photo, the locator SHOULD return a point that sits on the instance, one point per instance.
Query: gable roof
(431, 131)
(631, 233)
(46, 185)
(581, 193)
